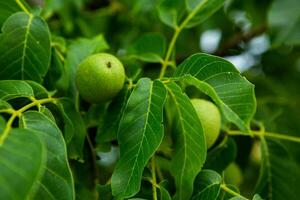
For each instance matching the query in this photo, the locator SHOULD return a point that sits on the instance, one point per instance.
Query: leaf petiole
(265, 134)
(18, 113)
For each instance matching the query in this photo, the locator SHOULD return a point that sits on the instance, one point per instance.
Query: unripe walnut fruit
(99, 78)
(210, 119)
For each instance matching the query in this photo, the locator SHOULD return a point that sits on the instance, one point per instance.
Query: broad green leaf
(279, 174)
(284, 29)
(220, 157)
(220, 80)
(170, 12)
(203, 8)
(28, 55)
(149, 47)
(74, 129)
(77, 51)
(9, 7)
(10, 89)
(57, 181)
(140, 134)
(207, 185)
(22, 159)
(190, 149)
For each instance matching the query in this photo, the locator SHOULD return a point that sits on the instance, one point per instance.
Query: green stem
(265, 134)
(153, 178)
(282, 137)
(175, 36)
(230, 191)
(22, 6)
(169, 52)
(17, 113)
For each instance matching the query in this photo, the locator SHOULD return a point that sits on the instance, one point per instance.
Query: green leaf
(28, 55)
(57, 181)
(284, 29)
(170, 12)
(203, 8)
(11, 89)
(279, 174)
(9, 7)
(219, 79)
(190, 149)
(207, 185)
(149, 47)
(22, 158)
(140, 134)
(74, 129)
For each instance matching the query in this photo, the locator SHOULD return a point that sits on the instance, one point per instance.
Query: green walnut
(99, 78)
(233, 175)
(210, 118)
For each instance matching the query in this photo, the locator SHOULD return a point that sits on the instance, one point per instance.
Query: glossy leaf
(140, 134)
(190, 149)
(22, 158)
(207, 185)
(149, 47)
(57, 181)
(220, 80)
(28, 57)
(10, 89)
(279, 174)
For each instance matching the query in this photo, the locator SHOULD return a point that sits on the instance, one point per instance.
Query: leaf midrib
(25, 44)
(144, 130)
(184, 138)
